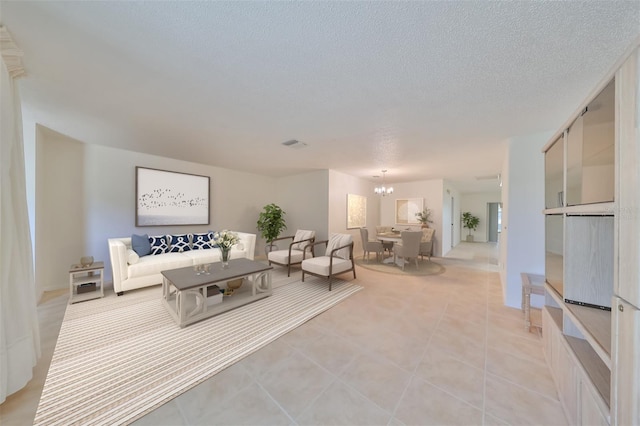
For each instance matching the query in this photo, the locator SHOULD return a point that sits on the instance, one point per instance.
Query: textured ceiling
(423, 89)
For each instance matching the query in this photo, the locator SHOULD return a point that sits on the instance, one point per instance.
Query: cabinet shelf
(594, 324)
(556, 315)
(605, 209)
(598, 372)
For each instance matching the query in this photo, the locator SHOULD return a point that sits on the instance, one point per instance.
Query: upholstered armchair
(337, 259)
(426, 243)
(369, 246)
(409, 248)
(295, 253)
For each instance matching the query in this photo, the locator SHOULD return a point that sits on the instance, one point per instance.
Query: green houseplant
(470, 222)
(270, 223)
(424, 217)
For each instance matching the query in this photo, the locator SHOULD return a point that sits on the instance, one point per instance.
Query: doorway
(452, 215)
(494, 214)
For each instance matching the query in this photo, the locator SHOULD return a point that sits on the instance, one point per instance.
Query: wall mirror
(406, 209)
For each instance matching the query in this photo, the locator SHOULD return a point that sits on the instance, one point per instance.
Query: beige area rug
(118, 358)
(425, 267)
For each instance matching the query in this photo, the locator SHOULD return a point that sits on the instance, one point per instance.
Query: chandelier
(383, 190)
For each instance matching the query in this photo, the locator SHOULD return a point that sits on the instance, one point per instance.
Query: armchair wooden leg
(303, 275)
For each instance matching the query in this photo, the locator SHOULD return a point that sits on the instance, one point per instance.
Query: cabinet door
(627, 285)
(568, 381)
(547, 335)
(591, 413)
(626, 364)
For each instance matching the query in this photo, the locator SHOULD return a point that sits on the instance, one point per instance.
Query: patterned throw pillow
(158, 244)
(201, 241)
(179, 243)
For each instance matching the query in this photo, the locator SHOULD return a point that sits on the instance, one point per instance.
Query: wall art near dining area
(356, 211)
(406, 210)
(171, 198)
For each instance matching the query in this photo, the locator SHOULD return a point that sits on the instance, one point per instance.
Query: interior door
(452, 230)
(492, 229)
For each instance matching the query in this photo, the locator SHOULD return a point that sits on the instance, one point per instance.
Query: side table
(86, 282)
(531, 284)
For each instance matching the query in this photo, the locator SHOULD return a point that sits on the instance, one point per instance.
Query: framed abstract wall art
(356, 211)
(171, 198)
(406, 210)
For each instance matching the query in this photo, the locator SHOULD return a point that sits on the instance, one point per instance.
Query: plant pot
(469, 238)
(269, 248)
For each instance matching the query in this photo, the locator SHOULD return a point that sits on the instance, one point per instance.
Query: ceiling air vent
(294, 144)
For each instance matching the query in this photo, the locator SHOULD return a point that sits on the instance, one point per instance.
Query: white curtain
(19, 333)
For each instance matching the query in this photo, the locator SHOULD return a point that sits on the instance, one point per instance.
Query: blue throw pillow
(179, 243)
(201, 241)
(140, 244)
(158, 244)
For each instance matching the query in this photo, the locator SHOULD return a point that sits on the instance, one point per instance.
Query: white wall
(523, 230)
(450, 217)
(340, 185)
(477, 205)
(304, 199)
(431, 191)
(86, 194)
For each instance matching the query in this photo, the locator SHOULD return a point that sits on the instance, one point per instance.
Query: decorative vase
(86, 261)
(225, 258)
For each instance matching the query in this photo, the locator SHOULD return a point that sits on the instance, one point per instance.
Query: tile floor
(404, 351)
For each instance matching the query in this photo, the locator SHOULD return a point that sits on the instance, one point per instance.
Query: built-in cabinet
(591, 321)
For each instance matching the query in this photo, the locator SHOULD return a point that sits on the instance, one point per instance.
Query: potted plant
(270, 223)
(471, 222)
(424, 217)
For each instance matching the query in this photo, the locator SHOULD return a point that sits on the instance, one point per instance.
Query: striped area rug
(119, 358)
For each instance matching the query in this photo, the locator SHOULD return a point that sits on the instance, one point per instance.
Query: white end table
(79, 275)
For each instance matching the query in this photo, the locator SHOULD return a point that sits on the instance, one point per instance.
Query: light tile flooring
(405, 350)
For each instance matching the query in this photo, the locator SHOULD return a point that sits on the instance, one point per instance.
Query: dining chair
(426, 243)
(369, 246)
(386, 245)
(409, 248)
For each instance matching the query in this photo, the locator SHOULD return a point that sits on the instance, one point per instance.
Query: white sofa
(131, 271)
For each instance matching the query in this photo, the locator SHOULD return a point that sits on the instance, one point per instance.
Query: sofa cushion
(320, 265)
(158, 244)
(140, 244)
(179, 243)
(201, 241)
(132, 257)
(282, 256)
(150, 265)
(203, 256)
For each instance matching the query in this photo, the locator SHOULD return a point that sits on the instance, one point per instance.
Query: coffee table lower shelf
(191, 305)
(195, 313)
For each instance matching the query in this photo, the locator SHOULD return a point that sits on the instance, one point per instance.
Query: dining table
(393, 237)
